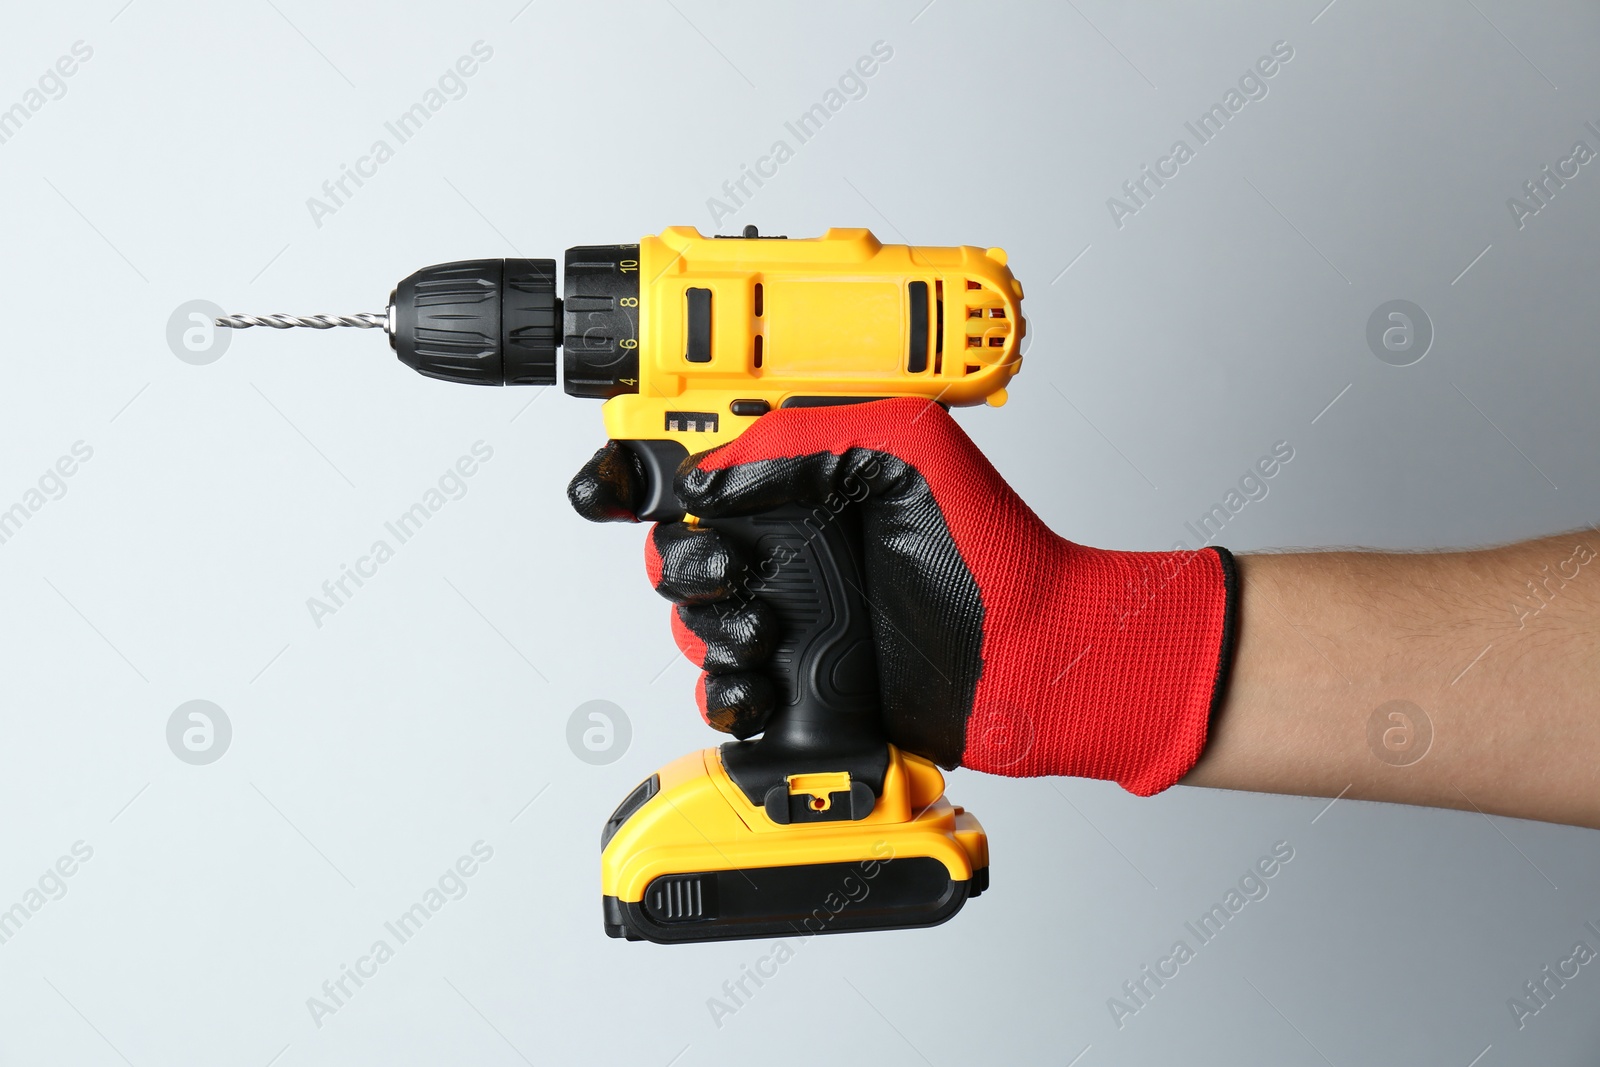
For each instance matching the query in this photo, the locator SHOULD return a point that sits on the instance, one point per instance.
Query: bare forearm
(1348, 661)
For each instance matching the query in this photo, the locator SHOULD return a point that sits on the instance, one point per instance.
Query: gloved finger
(821, 455)
(738, 704)
(691, 564)
(728, 635)
(607, 488)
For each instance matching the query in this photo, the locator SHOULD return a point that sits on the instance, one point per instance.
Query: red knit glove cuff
(1110, 667)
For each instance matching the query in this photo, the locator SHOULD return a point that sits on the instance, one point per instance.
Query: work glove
(1001, 646)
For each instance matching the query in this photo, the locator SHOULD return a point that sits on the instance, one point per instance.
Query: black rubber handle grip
(807, 565)
(808, 568)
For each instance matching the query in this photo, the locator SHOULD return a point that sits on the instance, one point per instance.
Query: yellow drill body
(826, 317)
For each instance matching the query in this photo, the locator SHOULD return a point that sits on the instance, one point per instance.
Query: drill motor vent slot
(987, 324)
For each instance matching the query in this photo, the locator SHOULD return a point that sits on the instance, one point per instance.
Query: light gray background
(370, 753)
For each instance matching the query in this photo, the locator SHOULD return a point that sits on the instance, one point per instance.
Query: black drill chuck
(479, 321)
(499, 321)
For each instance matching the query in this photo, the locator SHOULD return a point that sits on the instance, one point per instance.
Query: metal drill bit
(366, 320)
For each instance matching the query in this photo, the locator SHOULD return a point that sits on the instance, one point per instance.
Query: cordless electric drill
(689, 340)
